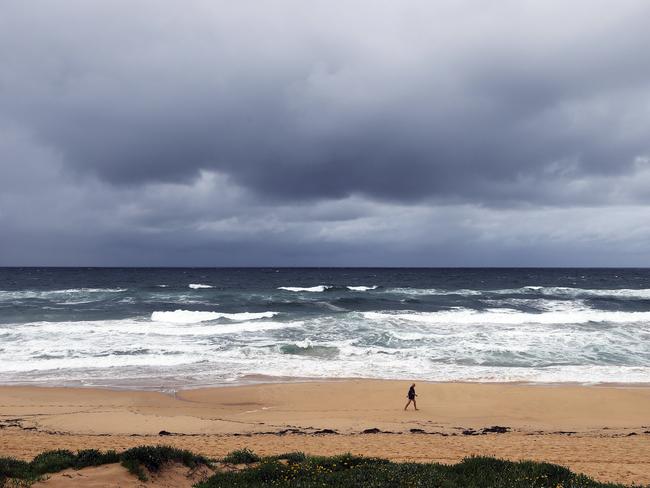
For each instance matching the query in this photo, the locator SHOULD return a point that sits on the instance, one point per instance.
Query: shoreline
(262, 380)
(603, 431)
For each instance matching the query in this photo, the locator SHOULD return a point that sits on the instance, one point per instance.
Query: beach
(601, 431)
(540, 364)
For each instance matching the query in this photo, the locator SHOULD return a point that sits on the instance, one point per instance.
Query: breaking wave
(310, 289)
(504, 316)
(56, 294)
(192, 316)
(555, 291)
(322, 288)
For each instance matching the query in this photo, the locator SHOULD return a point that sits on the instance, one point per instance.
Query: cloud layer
(291, 132)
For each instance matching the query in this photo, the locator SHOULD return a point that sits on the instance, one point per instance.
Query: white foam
(182, 299)
(564, 291)
(199, 286)
(362, 288)
(643, 293)
(255, 327)
(572, 292)
(565, 341)
(44, 294)
(541, 304)
(193, 316)
(311, 289)
(433, 291)
(90, 290)
(195, 331)
(75, 302)
(464, 346)
(503, 316)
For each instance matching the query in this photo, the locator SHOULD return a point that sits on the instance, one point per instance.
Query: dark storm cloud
(309, 133)
(302, 100)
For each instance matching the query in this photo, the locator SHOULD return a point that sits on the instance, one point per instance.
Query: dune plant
(349, 471)
(14, 472)
(241, 456)
(296, 470)
(154, 457)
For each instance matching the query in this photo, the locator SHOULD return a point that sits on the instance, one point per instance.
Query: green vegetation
(51, 462)
(241, 456)
(358, 472)
(55, 461)
(292, 457)
(154, 457)
(13, 469)
(295, 470)
(151, 457)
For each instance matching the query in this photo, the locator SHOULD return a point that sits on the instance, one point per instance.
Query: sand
(114, 475)
(603, 432)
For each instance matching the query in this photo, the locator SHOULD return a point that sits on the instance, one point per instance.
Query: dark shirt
(411, 393)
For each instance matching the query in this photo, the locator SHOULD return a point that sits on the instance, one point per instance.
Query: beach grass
(152, 458)
(22, 472)
(296, 470)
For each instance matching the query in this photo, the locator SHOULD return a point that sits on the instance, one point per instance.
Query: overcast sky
(304, 132)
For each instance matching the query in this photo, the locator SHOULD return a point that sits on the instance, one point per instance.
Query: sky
(319, 133)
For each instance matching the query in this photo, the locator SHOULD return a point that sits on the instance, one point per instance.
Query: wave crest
(193, 316)
(57, 294)
(558, 291)
(310, 289)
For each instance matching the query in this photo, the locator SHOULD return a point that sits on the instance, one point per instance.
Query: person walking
(411, 396)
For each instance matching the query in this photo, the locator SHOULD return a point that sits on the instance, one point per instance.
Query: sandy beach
(603, 432)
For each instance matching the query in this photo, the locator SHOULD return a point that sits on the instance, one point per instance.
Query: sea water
(173, 328)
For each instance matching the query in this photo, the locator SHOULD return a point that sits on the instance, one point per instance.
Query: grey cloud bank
(306, 133)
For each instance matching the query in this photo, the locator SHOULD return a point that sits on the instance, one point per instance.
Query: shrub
(241, 456)
(292, 457)
(154, 457)
(11, 468)
(53, 461)
(22, 473)
(358, 472)
(93, 457)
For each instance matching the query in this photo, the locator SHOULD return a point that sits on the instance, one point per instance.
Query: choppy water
(168, 328)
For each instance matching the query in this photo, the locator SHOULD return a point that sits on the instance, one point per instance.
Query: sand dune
(116, 476)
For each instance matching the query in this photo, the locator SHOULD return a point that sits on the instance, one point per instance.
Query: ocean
(171, 328)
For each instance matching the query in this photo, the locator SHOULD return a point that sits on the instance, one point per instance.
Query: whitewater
(168, 328)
